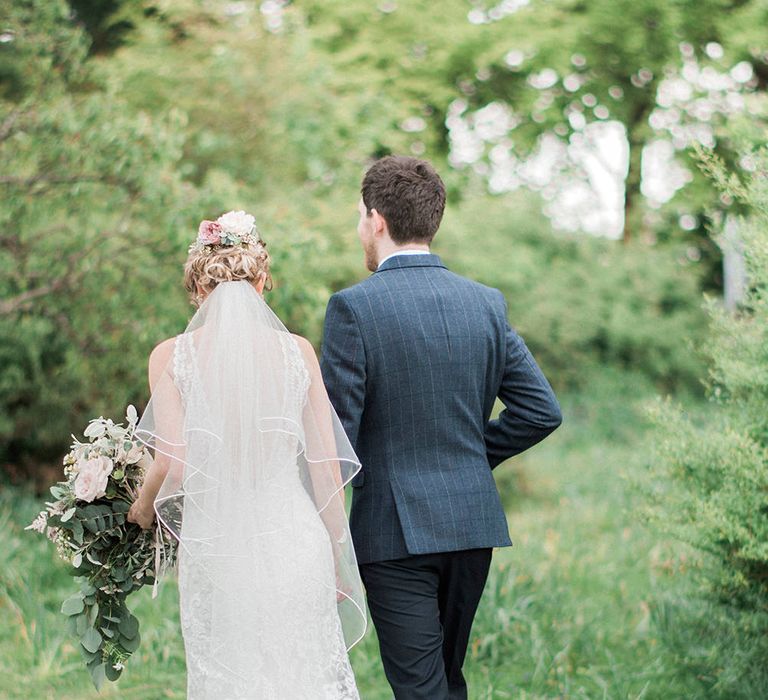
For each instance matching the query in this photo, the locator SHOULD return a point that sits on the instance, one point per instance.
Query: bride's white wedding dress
(261, 567)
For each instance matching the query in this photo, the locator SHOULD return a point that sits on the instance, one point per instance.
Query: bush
(710, 475)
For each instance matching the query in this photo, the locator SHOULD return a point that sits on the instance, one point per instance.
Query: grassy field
(566, 613)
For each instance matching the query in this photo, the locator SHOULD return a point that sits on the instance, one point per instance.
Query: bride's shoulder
(159, 359)
(306, 348)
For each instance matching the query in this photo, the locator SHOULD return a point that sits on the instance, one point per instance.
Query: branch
(69, 277)
(9, 306)
(12, 180)
(6, 128)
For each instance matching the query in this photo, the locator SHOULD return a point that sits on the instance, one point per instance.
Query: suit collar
(400, 261)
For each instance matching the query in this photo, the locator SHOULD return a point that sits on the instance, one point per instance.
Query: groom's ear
(379, 223)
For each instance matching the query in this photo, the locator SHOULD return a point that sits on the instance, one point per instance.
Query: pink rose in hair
(209, 233)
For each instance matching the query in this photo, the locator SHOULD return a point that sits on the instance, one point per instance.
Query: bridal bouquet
(109, 557)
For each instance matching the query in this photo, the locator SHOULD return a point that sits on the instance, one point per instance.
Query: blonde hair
(208, 267)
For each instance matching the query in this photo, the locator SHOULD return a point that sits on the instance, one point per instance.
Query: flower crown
(235, 228)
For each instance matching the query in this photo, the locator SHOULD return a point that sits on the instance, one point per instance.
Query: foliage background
(124, 123)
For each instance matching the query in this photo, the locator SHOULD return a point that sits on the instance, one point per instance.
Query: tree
(90, 200)
(562, 64)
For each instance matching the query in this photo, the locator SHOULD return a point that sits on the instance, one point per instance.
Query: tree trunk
(632, 194)
(638, 131)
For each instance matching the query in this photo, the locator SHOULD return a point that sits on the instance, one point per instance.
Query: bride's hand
(142, 515)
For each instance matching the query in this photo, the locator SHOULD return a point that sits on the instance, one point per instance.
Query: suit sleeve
(531, 410)
(342, 362)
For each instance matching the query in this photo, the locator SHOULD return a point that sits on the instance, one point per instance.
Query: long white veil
(258, 463)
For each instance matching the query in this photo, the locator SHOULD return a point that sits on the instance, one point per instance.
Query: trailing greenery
(711, 471)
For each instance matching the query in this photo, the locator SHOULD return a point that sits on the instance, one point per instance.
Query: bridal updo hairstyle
(409, 194)
(209, 267)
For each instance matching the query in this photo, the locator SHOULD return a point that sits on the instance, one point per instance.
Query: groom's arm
(531, 411)
(342, 362)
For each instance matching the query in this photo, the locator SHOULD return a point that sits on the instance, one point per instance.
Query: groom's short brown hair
(409, 194)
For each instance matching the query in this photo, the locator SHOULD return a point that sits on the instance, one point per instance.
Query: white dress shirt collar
(404, 252)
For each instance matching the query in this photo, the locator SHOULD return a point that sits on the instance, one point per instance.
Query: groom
(413, 358)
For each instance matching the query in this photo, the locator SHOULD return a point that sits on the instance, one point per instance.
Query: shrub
(710, 475)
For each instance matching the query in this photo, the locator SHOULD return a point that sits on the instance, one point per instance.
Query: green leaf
(91, 640)
(93, 614)
(105, 631)
(73, 605)
(98, 675)
(129, 626)
(81, 624)
(91, 657)
(130, 645)
(112, 673)
(77, 531)
(69, 513)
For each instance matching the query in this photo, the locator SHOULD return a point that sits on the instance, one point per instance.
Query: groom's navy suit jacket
(413, 359)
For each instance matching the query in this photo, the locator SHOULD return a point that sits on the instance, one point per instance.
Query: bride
(250, 464)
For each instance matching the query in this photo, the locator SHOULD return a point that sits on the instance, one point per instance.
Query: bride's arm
(142, 512)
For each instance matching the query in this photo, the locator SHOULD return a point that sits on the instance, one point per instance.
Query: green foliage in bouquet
(711, 474)
(110, 558)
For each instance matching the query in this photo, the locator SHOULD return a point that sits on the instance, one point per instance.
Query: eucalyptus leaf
(112, 673)
(129, 626)
(81, 624)
(91, 657)
(98, 676)
(91, 640)
(73, 605)
(130, 645)
(93, 613)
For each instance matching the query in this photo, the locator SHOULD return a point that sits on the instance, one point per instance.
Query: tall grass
(566, 612)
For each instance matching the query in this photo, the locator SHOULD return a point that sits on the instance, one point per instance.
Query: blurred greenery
(123, 123)
(709, 483)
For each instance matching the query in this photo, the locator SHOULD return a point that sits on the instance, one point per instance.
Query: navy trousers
(422, 607)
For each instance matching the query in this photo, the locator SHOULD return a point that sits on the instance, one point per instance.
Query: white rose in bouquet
(92, 478)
